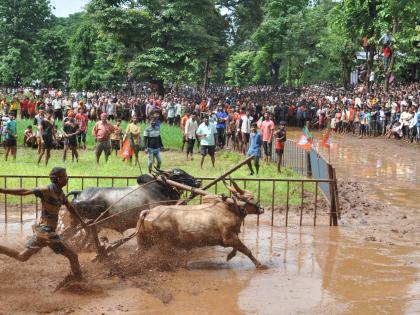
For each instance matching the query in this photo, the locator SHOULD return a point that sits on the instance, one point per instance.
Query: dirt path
(368, 265)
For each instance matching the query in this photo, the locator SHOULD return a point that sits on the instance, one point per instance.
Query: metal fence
(294, 158)
(277, 195)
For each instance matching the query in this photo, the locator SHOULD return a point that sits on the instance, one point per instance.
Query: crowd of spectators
(395, 113)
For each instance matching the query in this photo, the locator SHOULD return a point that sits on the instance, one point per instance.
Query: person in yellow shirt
(14, 104)
(133, 134)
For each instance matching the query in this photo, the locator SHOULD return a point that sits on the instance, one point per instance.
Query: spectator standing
(267, 127)
(10, 130)
(47, 131)
(206, 132)
(255, 142)
(82, 120)
(280, 142)
(102, 133)
(190, 131)
(171, 110)
(221, 127)
(153, 144)
(116, 137)
(57, 106)
(245, 129)
(133, 134)
(70, 132)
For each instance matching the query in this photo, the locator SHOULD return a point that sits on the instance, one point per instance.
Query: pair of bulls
(216, 221)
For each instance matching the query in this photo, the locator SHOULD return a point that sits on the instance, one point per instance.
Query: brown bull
(215, 222)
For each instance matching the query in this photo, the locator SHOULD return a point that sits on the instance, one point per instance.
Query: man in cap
(102, 133)
(52, 197)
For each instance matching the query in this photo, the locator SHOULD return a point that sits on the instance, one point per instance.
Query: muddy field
(368, 265)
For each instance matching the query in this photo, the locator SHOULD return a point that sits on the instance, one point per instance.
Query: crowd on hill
(233, 112)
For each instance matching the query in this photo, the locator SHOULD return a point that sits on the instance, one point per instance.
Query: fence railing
(277, 195)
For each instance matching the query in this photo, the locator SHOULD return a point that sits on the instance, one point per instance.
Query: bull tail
(140, 228)
(73, 193)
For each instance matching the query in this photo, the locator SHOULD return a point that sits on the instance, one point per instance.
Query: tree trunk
(206, 75)
(391, 63)
(158, 85)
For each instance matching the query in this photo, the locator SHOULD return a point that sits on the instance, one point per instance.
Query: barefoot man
(52, 197)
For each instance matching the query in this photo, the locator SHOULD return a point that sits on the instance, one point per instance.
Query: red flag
(126, 150)
(326, 141)
(304, 142)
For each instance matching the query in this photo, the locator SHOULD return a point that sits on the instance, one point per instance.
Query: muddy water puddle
(310, 270)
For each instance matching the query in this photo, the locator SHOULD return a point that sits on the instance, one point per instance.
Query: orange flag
(326, 141)
(304, 142)
(126, 150)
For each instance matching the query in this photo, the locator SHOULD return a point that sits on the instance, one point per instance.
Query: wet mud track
(367, 265)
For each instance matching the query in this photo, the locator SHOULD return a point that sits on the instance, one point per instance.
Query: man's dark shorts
(10, 143)
(207, 149)
(103, 146)
(47, 143)
(44, 237)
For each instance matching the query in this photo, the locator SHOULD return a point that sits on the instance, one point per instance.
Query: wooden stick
(218, 179)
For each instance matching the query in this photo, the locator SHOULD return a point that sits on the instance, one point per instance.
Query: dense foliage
(238, 42)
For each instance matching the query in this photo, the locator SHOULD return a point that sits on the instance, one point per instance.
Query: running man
(52, 197)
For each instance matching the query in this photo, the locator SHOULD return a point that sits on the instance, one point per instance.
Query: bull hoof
(231, 255)
(260, 266)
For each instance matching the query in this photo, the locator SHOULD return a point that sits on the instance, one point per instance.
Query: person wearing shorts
(280, 136)
(46, 130)
(206, 132)
(116, 137)
(70, 131)
(52, 197)
(10, 136)
(102, 133)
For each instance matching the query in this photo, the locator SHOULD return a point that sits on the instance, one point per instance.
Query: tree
(20, 24)
(163, 40)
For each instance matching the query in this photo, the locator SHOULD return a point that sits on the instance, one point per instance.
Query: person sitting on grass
(29, 138)
(255, 143)
(52, 197)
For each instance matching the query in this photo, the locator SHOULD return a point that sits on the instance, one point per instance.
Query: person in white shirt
(190, 131)
(245, 129)
(57, 106)
(207, 133)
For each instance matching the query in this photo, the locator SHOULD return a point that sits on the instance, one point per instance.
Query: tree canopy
(237, 42)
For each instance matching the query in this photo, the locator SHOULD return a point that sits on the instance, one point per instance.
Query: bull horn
(237, 188)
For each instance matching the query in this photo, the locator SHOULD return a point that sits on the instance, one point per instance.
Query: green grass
(171, 135)
(26, 165)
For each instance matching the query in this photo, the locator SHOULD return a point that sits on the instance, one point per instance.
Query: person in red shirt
(387, 56)
(102, 133)
(24, 108)
(267, 127)
(82, 120)
(31, 108)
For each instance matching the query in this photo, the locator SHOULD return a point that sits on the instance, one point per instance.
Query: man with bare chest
(52, 198)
